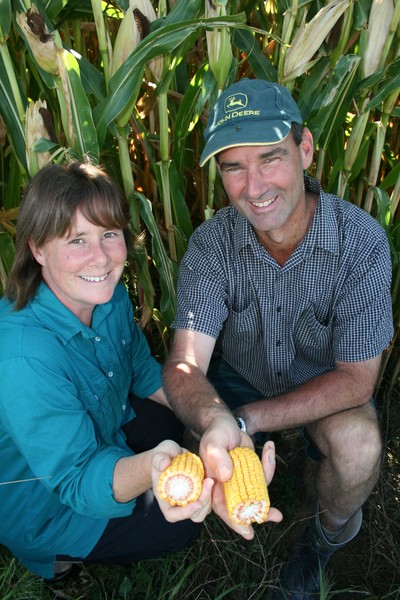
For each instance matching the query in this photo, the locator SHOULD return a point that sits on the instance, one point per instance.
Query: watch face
(241, 423)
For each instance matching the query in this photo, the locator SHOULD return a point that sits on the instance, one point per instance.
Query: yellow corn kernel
(182, 481)
(246, 493)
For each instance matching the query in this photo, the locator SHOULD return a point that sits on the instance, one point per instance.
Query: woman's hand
(196, 511)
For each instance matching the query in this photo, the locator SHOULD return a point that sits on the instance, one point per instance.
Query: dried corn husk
(310, 37)
(42, 44)
(35, 129)
(380, 18)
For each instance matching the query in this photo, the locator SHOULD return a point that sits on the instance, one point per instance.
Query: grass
(220, 565)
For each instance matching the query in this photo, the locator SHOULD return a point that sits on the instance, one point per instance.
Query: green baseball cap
(251, 112)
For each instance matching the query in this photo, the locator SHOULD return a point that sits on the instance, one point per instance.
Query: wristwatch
(241, 423)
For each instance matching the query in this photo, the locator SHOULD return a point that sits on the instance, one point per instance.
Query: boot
(301, 575)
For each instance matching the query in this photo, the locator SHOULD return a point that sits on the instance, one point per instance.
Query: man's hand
(196, 511)
(221, 437)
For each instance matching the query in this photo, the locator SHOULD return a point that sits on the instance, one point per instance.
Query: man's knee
(350, 439)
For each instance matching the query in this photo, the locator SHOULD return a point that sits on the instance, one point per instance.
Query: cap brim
(256, 133)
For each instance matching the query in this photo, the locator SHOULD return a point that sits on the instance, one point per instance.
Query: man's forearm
(191, 395)
(335, 391)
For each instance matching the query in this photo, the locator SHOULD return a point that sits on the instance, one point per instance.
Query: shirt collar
(58, 318)
(323, 232)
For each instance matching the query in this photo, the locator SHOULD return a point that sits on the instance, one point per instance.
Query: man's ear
(37, 253)
(307, 148)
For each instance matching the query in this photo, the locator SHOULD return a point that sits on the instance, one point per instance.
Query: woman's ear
(307, 148)
(37, 253)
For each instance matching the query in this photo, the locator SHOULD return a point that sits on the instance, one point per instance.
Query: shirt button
(123, 342)
(278, 343)
(110, 373)
(278, 308)
(279, 374)
(97, 338)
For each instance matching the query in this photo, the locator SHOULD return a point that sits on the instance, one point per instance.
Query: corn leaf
(168, 271)
(125, 80)
(9, 112)
(261, 66)
(7, 253)
(5, 19)
(332, 103)
(84, 129)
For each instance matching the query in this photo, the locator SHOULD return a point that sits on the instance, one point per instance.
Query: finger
(274, 515)
(219, 461)
(268, 460)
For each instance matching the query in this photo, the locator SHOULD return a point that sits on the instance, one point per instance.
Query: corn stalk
(130, 84)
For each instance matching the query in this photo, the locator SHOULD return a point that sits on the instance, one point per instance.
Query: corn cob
(181, 482)
(246, 493)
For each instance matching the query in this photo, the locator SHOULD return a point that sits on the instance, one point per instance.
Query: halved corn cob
(182, 481)
(246, 493)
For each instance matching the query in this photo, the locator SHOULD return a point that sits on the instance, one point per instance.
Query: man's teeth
(96, 279)
(266, 203)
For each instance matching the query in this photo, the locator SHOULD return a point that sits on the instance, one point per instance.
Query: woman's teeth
(94, 279)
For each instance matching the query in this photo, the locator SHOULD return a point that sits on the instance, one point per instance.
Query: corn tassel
(309, 39)
(182, 481)
(246, 493)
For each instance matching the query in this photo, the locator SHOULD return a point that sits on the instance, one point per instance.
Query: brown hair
(47, 209)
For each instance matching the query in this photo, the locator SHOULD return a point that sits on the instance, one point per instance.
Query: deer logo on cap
(235, 101)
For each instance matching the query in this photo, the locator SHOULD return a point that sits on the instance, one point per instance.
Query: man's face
(266, 183)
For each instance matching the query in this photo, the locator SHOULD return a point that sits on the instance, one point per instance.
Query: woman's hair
(47, 211)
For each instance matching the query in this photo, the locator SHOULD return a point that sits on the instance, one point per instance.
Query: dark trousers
(145, 533)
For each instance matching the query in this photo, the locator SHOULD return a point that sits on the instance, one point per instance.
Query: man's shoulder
(352, 218)
(225, 219)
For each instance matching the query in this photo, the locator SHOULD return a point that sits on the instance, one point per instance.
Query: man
(284, 312)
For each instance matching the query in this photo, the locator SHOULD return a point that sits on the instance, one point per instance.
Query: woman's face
(83, 267)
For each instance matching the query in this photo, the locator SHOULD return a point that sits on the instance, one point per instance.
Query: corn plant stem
(378, 147)
(344, 35)
(212, 173)
(395, 197)
(393, 30)
(164, 170)
(288, 25)
(5, 55)
(127, 177)
(102, 37)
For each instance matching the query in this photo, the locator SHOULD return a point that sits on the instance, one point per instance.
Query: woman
(74, 371)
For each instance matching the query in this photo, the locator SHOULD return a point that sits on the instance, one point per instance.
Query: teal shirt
(63, 401)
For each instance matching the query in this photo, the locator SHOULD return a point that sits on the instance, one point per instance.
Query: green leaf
(9, 112)
(7, 253)
(262, 68)
(86, 143)
(167, 269)
(332, 102)
(5, 19)
(123, 83)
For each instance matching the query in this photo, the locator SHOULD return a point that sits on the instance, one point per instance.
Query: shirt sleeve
(53, 431)
(363, 322)
(202, 290)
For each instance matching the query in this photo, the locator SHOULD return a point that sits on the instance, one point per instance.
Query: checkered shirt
(279, 326)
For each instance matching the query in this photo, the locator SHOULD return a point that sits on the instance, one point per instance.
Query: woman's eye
(110, 234)
(77, 241)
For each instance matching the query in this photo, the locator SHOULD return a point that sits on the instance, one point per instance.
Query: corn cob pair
(246, 492)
